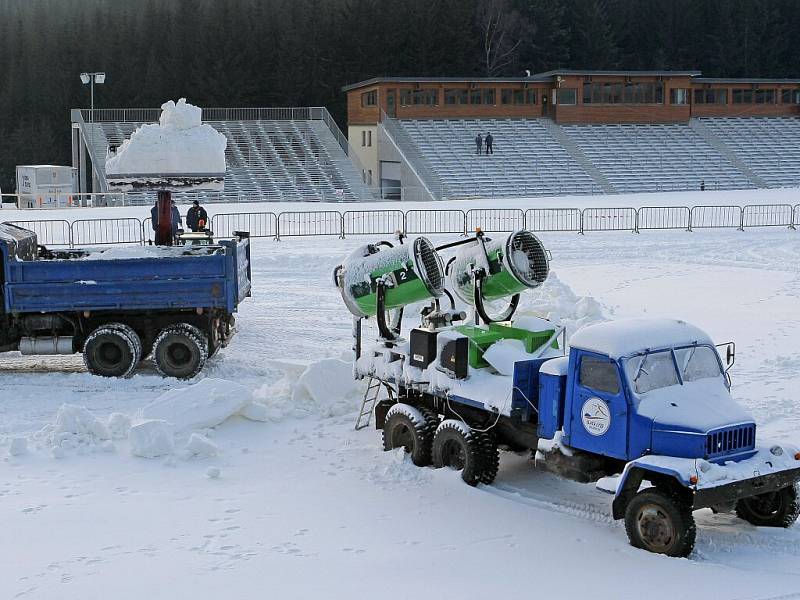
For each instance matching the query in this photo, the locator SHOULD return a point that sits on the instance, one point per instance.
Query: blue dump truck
(642, 407)
(117, 306)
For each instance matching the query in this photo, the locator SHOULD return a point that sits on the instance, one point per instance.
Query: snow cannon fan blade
(380, 277)
(493, 269)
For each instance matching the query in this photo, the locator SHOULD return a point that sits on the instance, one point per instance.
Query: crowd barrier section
(260, 225)
(715, 217)
(553, 219)
(663, 217)
(99, 232)
(796, 219)
(373, 222)
(309, 224)
(495, 219)
(436, 221)
(49, 233)
(768, 215)
(608, 219)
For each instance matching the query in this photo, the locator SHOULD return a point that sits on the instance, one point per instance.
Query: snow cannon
(492, 269)
(380, 277)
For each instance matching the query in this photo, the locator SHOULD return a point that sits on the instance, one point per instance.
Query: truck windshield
(654, 370)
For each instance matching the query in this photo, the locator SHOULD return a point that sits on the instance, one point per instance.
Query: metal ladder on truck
(371, 395)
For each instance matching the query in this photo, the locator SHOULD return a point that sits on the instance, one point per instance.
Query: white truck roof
(629, 336)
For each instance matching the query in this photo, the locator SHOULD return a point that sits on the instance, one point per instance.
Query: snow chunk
(19, 446)
(180, 144)
(213, 472)
(77, 420)
(199, 445)
(504, 353)
(329, 383)
(255, 411)
(119, 425)
(151, 439)
(204, 404)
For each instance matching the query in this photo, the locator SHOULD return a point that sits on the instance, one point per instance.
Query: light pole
(90, 79)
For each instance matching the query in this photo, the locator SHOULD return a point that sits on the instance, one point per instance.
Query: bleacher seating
(527, 159)
(767, 145)
(655, 157)
(268, 160)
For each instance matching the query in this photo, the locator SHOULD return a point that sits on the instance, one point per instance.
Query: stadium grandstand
(272, 153)
(575, 132)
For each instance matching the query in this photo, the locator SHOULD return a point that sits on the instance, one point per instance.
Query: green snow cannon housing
(412, 273)
(509, 266)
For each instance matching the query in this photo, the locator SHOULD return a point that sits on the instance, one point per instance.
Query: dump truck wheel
(775, 509)
(180, 351)
(490, 456)
(113, 350)
(660, 522)
(456, 446)
(412, 429)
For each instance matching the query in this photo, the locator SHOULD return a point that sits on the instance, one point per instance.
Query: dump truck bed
(131, 278)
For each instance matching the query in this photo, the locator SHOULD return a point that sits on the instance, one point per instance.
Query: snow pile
(180, 144)
(75, 429)
(137, 252)
(325, 388)
(504, 353)
(151, 439)
(554, 300)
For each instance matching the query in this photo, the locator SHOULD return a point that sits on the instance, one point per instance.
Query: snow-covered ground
(302, 506)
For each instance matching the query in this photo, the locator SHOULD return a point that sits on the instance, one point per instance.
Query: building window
(405, 97)
(790, 96)
(426, 97)
(456, 96)
(530, 96)
(765, 96)
(627, 93)
(507, 96)
(714, 96)
(743, 96)
(369, 177)
(567, 96)
(475, 96)
(369, 138)
(679, 96)
(488, 97)
(363, 138)
(369, 99)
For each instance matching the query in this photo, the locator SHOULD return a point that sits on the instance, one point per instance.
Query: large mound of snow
(180, 144)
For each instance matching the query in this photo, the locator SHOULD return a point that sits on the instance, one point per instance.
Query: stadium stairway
(266, 160)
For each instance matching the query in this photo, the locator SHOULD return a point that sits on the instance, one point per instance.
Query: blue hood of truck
(682, 416)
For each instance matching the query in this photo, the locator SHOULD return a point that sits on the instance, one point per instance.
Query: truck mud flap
(745, 488)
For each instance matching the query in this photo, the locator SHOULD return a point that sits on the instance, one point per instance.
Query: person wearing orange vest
(197, 217)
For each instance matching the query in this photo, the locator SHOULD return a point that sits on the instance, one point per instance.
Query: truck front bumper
(706, 497)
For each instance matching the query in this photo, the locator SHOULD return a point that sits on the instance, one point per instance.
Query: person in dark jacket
(489, 142)
(177, 222)
(197, 217)
(479, 144)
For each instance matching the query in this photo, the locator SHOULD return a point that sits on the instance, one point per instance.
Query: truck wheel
(775, 509)
(661, 523)
(412, 429)
(490, 456)
(456, 446)
(112, 350)
(180, 351)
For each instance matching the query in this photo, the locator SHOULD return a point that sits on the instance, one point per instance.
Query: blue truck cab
(119, 305)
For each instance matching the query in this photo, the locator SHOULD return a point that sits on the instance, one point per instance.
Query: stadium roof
(548, 74)
(743, 80)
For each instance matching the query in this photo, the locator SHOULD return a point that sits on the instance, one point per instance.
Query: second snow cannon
(492, 269)
(376, 278)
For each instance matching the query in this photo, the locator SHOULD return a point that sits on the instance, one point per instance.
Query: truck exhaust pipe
(45, 345)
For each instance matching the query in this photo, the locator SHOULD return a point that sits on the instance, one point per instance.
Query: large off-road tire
(471, 452)
(112, 350)
(410, 428)
(660, 522)
(180, 351)
(775, 509)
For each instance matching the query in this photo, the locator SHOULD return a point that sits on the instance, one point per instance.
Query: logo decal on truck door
(596, 416)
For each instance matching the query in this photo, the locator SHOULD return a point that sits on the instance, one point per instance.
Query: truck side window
(599, 374)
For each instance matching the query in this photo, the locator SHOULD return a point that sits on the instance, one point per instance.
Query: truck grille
(731, 439)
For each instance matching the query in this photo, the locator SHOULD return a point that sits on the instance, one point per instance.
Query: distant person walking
(197, 217)
(703, 185)
(489, 141)
(478, 144)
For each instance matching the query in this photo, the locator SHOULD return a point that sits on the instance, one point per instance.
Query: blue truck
(118, 306)
(641, 407)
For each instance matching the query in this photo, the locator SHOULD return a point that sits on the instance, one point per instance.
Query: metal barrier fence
(553, 219)
(608, 219)
(49, 233)
(768, 215)
(314, 223)
(715, 217)
(495, 219)
(365, 222)
(436, 221)
(88, 232)
(663, 217)
(98, 232)
(261, 224)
